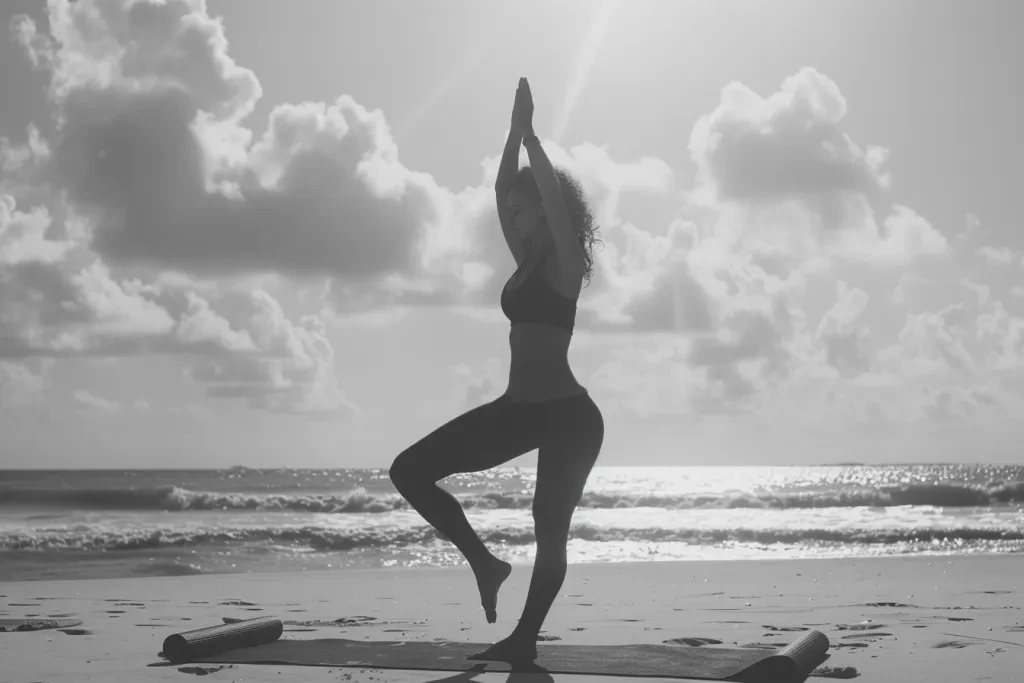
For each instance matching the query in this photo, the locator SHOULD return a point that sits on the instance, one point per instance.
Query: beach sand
(892, 619)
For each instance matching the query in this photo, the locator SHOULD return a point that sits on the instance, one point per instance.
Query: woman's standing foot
(515, 649)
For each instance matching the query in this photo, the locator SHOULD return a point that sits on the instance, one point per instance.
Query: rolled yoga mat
(791, 663)
(212, 640)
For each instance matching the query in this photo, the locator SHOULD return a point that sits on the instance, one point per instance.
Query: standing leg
(564, 462)
(482, 438)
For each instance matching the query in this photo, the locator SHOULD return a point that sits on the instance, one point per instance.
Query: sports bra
(535, 301)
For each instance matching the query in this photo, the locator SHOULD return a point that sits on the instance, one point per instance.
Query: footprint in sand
(354, 621)
(115, 611)
(785, 628)
(23, 604)
(692, 642)
(960, 619)
(858, 627)
(867, 636)
(201, 670)
(836, 672)
(886, 604)
(253, 609)
(957, 644)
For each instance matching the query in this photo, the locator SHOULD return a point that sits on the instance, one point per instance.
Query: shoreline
(515, 562)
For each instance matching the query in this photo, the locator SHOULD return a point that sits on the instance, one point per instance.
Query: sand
(892, 619)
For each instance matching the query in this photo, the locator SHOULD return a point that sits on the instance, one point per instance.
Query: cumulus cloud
(88, 401)
(787, 157)
(156, 169)
(996, 256)
(789, 144)
(843, 339)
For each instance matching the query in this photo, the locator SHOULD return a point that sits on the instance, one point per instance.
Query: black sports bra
(535, 301)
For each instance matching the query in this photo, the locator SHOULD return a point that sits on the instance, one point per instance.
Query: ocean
(86, 524)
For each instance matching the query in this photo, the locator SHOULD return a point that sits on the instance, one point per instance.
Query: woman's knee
(407, 470)
(404, 472)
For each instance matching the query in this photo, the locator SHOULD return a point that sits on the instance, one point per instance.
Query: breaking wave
(173, 498)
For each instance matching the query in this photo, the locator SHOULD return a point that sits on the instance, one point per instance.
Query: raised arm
(506, 176)
(568, 250)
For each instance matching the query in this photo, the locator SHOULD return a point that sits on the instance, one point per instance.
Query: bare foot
(514, 649)
(489, 579)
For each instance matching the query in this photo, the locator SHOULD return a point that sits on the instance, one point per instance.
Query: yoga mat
(791, 663)
(203, 642)
(16, 625)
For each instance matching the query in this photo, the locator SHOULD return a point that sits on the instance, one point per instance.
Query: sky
(264, 233)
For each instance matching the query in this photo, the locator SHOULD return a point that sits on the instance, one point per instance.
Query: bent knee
(405, 473)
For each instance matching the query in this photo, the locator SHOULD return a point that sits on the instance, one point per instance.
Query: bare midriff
(539, 370)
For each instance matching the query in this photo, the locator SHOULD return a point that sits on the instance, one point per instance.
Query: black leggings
(568, 433)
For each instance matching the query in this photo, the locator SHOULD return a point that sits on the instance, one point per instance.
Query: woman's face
(528, 222)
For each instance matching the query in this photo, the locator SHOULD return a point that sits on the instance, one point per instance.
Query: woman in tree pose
(549, 230)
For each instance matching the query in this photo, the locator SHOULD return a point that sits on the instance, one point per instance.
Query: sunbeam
(584, 63)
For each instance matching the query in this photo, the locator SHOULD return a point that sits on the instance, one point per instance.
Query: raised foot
(514, 650)
(489, 580)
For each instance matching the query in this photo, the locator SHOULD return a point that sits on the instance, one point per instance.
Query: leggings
(567, 432)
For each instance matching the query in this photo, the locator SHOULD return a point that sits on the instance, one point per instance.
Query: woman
(550, 232)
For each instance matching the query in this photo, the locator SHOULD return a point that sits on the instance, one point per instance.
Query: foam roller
(213, 640)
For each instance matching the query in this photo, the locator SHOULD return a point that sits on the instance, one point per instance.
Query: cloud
(805, 183)
(88, 401)
(152, 147)
(786, 145)
(164, 196)
(293, 369)
(245, 347)
(478, 385)
(22, 382)
(844, 341)
(996, 256)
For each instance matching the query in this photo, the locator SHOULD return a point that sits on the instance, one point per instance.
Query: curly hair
(580, 217)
